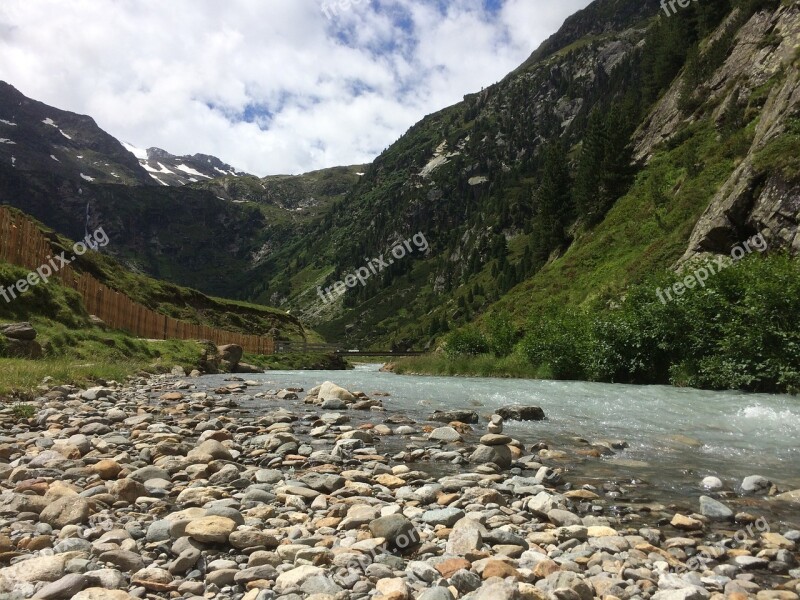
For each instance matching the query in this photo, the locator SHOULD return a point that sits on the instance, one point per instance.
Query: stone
(124, 560)
(153, 579)
(755, 484)
(563, 518)
(127, 490)
(211, 530)
(436, 593)
(687, 593)
(751, 562)
(19, 331)
(502, 590)
(443, 516)
(498, 568)
(216, 450)
(680, 521)
(98, 593)
(331, 391)
(34, 570)
(495, 439)
(451, 565)
(392, 589)
(422, 571)
(462, 416)
(66, 587)
(23, 349)
(107, 469)
(466, 536)
(499, 455)
(712, 483)
(398, 531)
(296, 577)
(66, 511)
(445, 434)
(793, 496)
(715, 510)
(522, 413)
(231, 354)
(465, 581)
(245, 538)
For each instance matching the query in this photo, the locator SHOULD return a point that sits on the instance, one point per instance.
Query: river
(675, 436)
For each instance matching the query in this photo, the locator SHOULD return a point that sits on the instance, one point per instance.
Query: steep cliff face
(759, 82)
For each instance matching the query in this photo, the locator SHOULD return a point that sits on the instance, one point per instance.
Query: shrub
(501, 333)
(467, 341)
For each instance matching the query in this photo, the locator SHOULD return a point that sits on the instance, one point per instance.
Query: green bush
(468, 341)
(501, 333)
(740, 331)
(558, 341)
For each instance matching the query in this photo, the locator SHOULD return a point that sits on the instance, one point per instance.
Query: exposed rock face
(750, 201)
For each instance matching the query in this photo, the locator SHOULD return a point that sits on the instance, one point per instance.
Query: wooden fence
(22, 243)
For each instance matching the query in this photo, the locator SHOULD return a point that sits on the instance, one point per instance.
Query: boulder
(230, 354)
(448, 416)
(755, 484)
(714, 509)
(19, 331)
(331, 391)
(23, 349)
(499, 455)
(522, 413)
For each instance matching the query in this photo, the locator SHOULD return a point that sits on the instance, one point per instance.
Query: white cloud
(180, 75)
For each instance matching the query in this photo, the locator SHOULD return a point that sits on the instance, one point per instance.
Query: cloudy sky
(270, 86)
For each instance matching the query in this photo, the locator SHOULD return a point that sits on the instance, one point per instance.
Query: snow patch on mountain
(137, 152)
(9, 123)
(49, 121)
(191, 171)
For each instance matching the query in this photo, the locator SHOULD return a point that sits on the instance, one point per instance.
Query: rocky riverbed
(164, 488)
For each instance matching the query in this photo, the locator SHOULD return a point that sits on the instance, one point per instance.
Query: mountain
(518, 181)
(170, 170)
(627, 144)
(37, 137)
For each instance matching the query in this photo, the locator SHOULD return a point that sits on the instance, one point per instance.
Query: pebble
(168, 487)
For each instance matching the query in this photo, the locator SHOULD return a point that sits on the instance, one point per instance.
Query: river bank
(226, 487)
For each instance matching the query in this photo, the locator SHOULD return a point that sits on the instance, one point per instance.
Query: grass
(484, 365)
(317, 361)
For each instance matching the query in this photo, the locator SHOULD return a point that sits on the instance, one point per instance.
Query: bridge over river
(285, 347)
